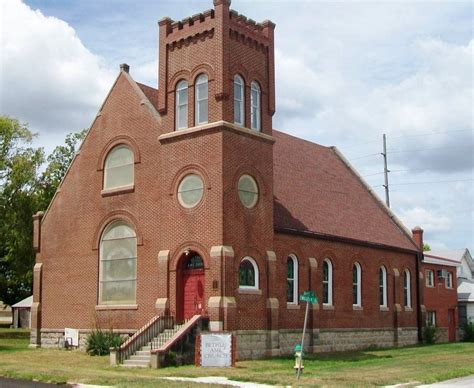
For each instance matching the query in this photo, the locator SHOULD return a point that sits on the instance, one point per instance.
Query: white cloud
(48, 77)
(428, 219)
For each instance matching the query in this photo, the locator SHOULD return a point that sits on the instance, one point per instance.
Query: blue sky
(346, 72)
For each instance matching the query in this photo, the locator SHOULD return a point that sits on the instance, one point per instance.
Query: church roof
(316, 191)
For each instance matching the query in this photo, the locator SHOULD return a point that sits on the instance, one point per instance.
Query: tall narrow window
(182, 105)
(201, 95)
(449, 280)
(383, 287)
(255, 106)
(407, 288)
(292, 279)
(118, 265)
(356, 285)
(118, 169)
(239, 100)
(248, 273)
(429, 278)
(327, 282)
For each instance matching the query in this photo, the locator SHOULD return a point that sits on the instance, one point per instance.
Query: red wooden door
(451, 326)
(193, 292)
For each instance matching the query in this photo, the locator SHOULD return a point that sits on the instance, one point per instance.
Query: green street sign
(309, 296)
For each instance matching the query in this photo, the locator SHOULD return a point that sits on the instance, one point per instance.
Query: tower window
(248, 191)
(182, 105)
(190, 190)
(201, 95)
(255, 106)
(239, 100)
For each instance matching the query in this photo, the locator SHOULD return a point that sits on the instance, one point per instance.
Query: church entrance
(192, 286)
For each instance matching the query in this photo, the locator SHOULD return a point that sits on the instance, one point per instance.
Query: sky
(346, 72)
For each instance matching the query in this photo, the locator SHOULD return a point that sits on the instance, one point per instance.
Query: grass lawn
(425, 364)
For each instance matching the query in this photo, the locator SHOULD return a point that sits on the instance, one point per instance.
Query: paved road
(460, 382)
(10, 383)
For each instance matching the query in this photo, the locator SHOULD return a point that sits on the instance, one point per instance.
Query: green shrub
(430, 334)
(99, 342)
(468, 332)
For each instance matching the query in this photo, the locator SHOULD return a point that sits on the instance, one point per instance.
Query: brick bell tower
(216, 101)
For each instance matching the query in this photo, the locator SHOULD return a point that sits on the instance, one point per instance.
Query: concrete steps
(142, 358)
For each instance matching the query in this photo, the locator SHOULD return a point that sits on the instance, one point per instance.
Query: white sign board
(216, 350)
(71, 335)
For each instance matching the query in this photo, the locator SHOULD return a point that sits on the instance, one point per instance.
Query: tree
(24, 191)
(426, 247)
(19, 164)
(58, 164)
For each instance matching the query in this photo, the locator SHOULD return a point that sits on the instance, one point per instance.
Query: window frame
(430, 278)
(241, 85)
(295, 279)
(383, 287)
(329, 282)
(181, 85)
(107, 229)
(357, 285)
(449, 279)
(257, 192)
(431, 318)
(106, 168)
(179, 193)
(201, 80)
(255, 106)
(252, 261)
(407, 289)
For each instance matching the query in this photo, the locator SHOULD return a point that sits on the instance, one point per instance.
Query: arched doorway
(192, 285)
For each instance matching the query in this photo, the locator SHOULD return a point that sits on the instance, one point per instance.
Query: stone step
(136, 363)
(143, 353)
(136, 357)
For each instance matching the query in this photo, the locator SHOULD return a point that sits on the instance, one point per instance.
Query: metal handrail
(150, 330)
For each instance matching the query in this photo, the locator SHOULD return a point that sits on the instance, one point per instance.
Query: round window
(190, 190)
(248, 191)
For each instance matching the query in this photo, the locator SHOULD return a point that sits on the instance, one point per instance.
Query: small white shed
(22, 313)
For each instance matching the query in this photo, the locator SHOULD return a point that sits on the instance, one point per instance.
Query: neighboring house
(5, 315)
(440, 294)
(185, 201)
(465, 280)
(22, 313)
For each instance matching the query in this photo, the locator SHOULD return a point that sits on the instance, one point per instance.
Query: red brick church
(184, 201)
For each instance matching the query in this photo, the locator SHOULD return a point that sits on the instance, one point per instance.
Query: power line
(406, 170)
(364, 156)
(431, 133)
(428, 149)
(428, 182)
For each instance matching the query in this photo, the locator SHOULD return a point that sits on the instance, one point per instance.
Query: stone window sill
(384, 308)
(101, 307)
(249, 291)
(292, 306)
(118, 191)
(408, 309)
(328, 307)
(357, 308)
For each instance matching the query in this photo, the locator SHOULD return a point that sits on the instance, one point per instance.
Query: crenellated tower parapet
(220, 43)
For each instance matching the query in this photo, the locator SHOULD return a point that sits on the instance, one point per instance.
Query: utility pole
(385, 170)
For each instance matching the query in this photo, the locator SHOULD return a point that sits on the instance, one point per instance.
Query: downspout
(419, 258)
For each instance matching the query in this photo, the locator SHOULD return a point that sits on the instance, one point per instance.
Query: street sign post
(308, 297)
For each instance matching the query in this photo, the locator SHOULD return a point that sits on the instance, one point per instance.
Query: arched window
(182, 105)
(383, 287)
(118, 265)
(356, 285)
(407, 288)
(327, 282)
(118, 169)
(248, 274)
(201, 96)
(292, 279)
(239, 100)
(255, 106)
